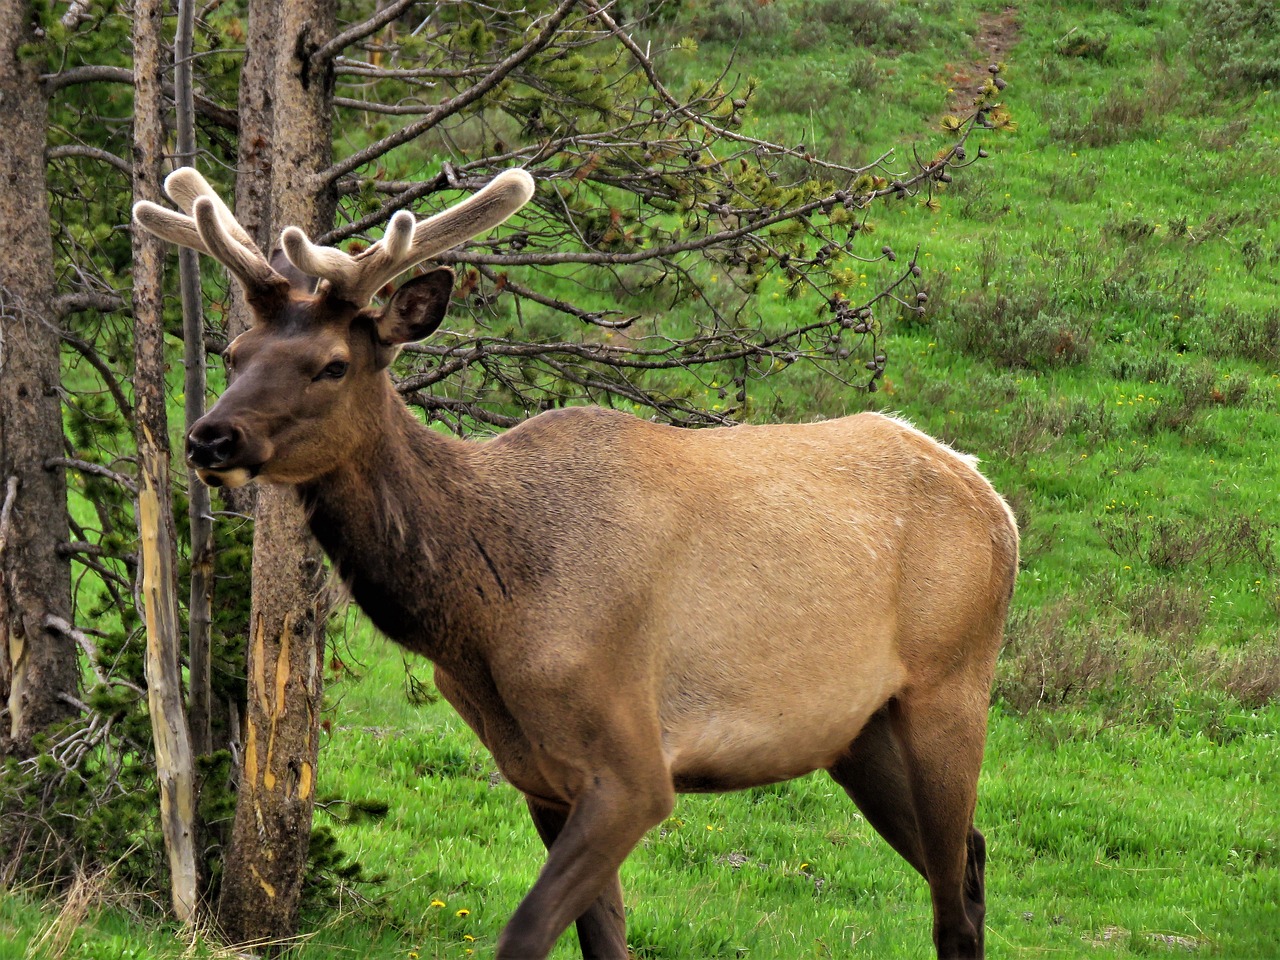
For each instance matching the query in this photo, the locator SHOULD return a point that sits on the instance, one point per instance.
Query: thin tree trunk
(267, 861)
(39, 666)
(175, 766)
(199, 605)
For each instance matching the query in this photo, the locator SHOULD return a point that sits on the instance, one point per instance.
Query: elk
(623, 610)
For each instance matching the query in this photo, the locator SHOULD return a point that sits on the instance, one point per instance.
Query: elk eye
(334, 371)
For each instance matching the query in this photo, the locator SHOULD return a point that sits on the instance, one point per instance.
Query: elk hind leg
(602, 927)
(874, 776)
(940, 734)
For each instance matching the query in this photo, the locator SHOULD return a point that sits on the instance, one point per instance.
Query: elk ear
(416, 309)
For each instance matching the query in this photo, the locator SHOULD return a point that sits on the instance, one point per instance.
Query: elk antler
(356, 279)
(210, 227)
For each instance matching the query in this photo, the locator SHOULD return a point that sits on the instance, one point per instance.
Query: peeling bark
(175, 765)
(266, 862)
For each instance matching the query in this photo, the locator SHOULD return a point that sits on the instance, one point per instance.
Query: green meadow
(1103, 330)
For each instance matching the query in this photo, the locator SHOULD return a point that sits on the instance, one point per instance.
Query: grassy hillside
(1102, 330)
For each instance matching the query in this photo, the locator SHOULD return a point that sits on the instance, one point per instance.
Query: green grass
(1098, 333)
(1119, 833)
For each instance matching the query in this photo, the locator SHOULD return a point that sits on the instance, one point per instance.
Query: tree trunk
(175, 765)
(267, 861)
(199, 605)
(39, 666)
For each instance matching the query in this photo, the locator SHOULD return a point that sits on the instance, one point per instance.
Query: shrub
(1084, 45)
(1181, 543)
(749, 22)
(1016, 334)
(1164, 610)
(1236, 43)
(866, 23)
(805, 24)
(1250, 336)
(1050, 660)
(1196, 387)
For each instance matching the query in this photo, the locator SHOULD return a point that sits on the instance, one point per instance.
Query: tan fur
(623, 610)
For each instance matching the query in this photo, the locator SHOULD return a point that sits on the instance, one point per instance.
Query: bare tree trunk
(199, 606)
(39, 666)
(267, 860)
(175, 766)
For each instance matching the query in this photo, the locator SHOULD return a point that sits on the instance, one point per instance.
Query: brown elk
(623, 610)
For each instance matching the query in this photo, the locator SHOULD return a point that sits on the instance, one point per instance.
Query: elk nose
(212, 444)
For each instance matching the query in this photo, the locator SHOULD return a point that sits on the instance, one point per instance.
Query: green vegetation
(1102, 330)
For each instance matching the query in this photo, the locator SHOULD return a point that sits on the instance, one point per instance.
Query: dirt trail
(997, 33)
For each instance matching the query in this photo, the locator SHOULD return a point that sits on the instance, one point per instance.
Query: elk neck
(419, 535)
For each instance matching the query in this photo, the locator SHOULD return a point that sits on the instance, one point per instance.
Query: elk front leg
(604, 823)
(602, 929)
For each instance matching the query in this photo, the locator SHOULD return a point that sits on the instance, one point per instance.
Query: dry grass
(88, 893)
(1250, 675)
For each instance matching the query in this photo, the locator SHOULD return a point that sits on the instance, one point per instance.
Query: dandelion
(464, 912)
(469, 938)
(437, 903)
(413, 955)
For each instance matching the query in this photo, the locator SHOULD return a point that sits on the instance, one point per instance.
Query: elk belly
(765, 733)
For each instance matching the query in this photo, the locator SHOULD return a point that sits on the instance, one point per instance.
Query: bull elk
(624, 610)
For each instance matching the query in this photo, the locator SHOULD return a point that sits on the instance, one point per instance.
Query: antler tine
(357, 279)
(243, 260)
(504, 195)
(348, 275)
(167, 225)
(186, 185)
(209, 227)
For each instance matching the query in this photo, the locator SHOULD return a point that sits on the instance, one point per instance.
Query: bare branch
(84, 466)
(92, 153)
(89, 73)
(595, 318)
(451, 106)
(70, 303)
(393, 110)
(97, 73)
(647, 66)
(358, 32)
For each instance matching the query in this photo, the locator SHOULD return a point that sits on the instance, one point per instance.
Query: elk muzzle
(213, 449)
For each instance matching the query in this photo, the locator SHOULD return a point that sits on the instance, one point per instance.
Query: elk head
(305, 375)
